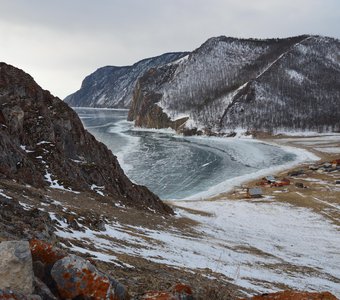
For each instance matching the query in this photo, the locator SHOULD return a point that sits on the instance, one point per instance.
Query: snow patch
(55, 184)
(295, 76)
(23, 147)
(43, 142)
(4, 195)
(98, 189)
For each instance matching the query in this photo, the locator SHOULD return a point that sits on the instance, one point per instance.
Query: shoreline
(305, 155)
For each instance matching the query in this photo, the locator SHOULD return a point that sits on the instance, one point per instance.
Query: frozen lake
(177, 167)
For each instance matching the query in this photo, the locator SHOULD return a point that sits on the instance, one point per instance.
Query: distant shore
(320, 193)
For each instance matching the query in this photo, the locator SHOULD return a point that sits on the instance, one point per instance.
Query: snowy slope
(113, 86)
(229, 83)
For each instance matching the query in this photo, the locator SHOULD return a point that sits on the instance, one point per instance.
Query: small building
(254, 192)
(270, 179)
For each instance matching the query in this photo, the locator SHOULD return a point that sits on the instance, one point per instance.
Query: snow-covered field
(260, 245)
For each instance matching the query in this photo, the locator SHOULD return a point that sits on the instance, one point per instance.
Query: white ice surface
(225, 186)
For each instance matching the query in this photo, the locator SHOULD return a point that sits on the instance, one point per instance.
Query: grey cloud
(60, 42)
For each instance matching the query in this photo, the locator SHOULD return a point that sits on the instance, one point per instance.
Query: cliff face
(113, 86)
(43, 144)
(256, 85)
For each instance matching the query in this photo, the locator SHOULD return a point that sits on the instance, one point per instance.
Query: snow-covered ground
(258, 245)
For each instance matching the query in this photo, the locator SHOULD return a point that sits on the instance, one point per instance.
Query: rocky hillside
(43, 144)
(113, 86)
(255, 85)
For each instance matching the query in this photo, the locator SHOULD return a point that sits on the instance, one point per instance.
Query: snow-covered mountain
(256, 85)
(113, 86)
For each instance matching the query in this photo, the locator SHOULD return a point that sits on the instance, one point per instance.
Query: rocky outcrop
(76, 277)
(254, 85)
(143, 109)
(66, 277)
(113, 86)
(16, 271)
(44, 144)
(72, 277)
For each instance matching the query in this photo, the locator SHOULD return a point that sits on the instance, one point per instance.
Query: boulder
(44, 256)
(16, 270)
(77, 277)
(45, 252)
(299, 185)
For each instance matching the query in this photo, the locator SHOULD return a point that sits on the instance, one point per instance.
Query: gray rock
(299, 185)
(16, 270)
(42, 290)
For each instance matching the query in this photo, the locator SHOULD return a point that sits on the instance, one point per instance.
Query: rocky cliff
(254, 85)
(43, 144)
(113, 86)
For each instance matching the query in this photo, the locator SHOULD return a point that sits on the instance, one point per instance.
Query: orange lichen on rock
(181, 288)
(76, 277)
(87, 284)
(44, 252)
(294, 295)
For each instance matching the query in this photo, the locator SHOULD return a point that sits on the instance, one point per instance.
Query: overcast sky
(60, 42)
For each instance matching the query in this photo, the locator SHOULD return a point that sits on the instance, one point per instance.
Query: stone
(296, 173)
(16, 270)
(45, 252)
(299, 185)
(120, 290)
(42, 290)
(294, 295)
(77, 277)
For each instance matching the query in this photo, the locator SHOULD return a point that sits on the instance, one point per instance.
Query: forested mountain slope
(256, 85)
(113, 86)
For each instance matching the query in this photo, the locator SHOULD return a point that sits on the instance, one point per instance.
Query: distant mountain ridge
(112, 86)
(256, 85)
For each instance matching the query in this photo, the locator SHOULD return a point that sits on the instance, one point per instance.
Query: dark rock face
(43, 143)
(113, 86)
(256, 85)
(17, 222)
